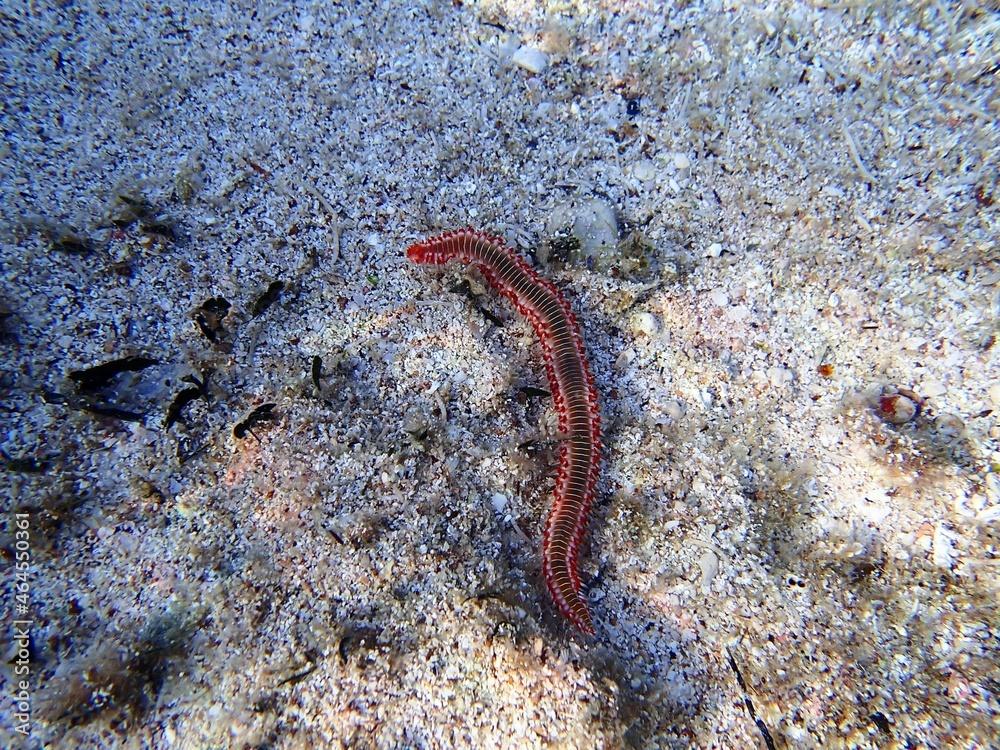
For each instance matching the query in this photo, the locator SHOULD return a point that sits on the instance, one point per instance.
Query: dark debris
(25, 465)
(197, 389)
(356, 638)
(267, 298)
(259, 415)
(316, 370)
(210, 318)
(92, 379)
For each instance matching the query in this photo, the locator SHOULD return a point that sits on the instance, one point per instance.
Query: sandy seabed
(266, 485)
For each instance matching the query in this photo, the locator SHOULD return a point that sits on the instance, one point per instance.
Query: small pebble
(531, 59)
(624, 359)
(989, 515)
(499, 501)
(709, 564)
(644, 171)
(993, 487)
(645, 323)
(944, 547)
(714, 250)
(830, 435)
(738, 314)
(674, 409)
(949, 424)
(591, 221)
(779, 376)
(681, 162)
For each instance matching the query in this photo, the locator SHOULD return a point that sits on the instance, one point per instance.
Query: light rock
(644, 170)
(994, 394)
(645, 323)
(932, 389)
(709, 564)
(531, 59)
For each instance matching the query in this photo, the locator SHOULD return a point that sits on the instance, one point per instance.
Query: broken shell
(895, 408)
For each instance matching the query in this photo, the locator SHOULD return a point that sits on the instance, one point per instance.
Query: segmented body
(573, 393)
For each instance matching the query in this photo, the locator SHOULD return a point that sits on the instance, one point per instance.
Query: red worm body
(573, 393)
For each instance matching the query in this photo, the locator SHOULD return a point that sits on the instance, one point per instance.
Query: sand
(302, 506)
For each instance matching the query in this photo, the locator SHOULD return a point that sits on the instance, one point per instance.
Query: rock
(644, 170)
(645, 323)
(895, 408)
(582, 230)
(531, 59)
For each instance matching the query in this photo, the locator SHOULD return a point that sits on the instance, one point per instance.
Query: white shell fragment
(531, 59)
(944, 547)
(932, 389)
(709, 564)
(719, 298)
(499, 502)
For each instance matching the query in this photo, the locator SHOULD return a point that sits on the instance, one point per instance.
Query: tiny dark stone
(879, 719)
